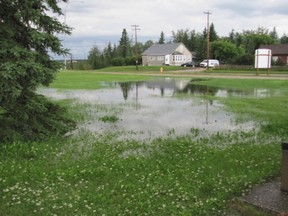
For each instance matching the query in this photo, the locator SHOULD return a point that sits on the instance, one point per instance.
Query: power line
(136, 28)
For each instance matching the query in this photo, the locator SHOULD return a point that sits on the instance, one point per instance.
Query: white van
(212, 63)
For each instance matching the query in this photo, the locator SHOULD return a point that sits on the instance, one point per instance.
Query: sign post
(263, 59)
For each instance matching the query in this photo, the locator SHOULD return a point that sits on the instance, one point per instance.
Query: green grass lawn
(90, 79)
(98, 174)
(140, 69)
(94, 79)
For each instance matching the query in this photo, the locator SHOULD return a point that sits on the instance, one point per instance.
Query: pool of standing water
(155, 108)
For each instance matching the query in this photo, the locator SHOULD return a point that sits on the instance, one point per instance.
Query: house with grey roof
(279, 52)
(166, 54)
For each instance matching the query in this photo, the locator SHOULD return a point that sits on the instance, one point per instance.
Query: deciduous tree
(96, 58)
(225, 51)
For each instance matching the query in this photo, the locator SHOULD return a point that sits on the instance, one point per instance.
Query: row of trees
(117, 55)
(236, 48)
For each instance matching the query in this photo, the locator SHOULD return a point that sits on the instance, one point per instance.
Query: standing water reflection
(154, 108)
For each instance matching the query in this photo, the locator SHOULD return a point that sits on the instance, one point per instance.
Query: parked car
(212, 63)
(189, 64)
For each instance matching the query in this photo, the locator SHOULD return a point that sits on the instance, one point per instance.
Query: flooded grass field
(157, 147)
(155, 108)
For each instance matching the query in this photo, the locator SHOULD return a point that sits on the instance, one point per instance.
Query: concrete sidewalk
(268, 197)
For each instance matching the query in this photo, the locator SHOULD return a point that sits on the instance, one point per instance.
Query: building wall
(183, 49)
(144, 60)
(153, 60)
(283, 58)
(175, 60)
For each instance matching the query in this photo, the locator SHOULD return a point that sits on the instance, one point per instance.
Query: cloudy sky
(98, 22)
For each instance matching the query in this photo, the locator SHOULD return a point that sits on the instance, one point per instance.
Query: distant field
(140, 68)
(89, 79)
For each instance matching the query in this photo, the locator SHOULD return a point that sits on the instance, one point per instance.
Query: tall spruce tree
(213, 33)
(108, 54)
(124, 44)
(273, 34)
(27, 36)
(162, 38)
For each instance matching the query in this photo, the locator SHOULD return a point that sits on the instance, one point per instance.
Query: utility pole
(208, 37)
(136, 28)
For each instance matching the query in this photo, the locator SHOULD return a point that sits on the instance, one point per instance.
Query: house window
(160, 58)
(178, 58)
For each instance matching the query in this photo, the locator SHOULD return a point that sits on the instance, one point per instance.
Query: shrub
(130, 60)
(118, 61)
(246, 59)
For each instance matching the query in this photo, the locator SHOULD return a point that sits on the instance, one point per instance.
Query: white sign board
(263, 58)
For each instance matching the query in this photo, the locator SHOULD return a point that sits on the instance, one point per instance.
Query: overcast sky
(98, 22)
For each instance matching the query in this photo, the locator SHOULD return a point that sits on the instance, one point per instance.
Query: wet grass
(99, 174)
(110, 119)
(268, 108)
(89, 174)
(248, 84)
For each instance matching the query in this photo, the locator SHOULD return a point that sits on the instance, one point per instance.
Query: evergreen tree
(273, 34)
(124, 44)
(115, 52)
(162, 38)
(232, 36)
(201, 49)
(27, 37)
(284, 39)
(108, 53)
(193, 41)
(213, 34)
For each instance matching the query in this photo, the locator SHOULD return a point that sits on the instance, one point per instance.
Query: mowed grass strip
(90, 79)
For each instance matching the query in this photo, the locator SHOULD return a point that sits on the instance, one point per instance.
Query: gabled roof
(161, 49)
(277, 49)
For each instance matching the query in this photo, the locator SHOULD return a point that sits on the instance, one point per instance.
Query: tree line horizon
(236, 48)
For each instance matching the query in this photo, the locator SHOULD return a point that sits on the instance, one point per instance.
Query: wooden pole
(208, 38)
